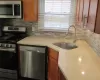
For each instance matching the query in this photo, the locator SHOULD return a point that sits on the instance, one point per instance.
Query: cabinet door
(30, 10)
(52, 69)
(53, 54)
(81, 12)
(86, 11)
(97, 27)
(61, 76)
(86, 7)
(77, 11)
(92, 15)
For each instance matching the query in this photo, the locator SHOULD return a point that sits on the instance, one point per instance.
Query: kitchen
(49, 40)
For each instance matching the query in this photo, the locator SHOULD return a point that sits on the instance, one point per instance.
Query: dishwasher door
(32, 62)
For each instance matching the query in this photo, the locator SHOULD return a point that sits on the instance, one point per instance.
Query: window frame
(41, 26)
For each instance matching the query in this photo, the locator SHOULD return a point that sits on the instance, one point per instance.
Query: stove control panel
(14, 29)
(7, 47)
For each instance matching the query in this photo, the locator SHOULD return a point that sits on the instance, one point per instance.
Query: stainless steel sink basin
(65, 45)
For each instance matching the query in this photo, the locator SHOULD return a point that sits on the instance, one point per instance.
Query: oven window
(6, 9)
(8, 60)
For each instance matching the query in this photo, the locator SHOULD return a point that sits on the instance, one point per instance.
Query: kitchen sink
(65, 45)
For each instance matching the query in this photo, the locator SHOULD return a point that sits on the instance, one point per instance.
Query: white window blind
(56, 14)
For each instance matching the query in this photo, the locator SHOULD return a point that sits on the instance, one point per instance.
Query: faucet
(75, 36)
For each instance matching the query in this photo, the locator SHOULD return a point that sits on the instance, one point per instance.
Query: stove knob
(9, 45)
(5, 45)
(0, 44)
(13, 46)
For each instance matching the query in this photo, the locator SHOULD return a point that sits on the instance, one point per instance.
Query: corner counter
(81, 63)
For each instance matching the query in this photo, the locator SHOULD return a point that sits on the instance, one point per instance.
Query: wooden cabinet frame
(30, 10)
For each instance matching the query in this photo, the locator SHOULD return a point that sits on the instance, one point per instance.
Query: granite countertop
(81, 63)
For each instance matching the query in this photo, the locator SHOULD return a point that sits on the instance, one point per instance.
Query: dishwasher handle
(35, 49)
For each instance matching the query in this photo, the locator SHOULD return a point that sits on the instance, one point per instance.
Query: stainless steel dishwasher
(33, 62)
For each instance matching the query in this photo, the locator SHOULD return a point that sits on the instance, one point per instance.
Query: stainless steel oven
(8, 51)
(10, 9)
(8, 61)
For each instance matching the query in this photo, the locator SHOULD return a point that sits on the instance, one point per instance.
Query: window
(56, 15)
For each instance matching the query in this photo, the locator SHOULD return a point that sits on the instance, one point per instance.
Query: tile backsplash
(19, 22)
(34, 25)
(92, 39)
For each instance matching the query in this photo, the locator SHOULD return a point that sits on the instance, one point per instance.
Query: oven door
(8, 60)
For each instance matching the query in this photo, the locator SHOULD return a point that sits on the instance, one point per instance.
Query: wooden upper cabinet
(86, 7)
(88, 13)
(30, 10)
(92, 15)
(81, 12)
(77, 11)
(97, 26)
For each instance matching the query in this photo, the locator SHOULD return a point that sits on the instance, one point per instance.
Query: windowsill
(53, 27)
(53, 30)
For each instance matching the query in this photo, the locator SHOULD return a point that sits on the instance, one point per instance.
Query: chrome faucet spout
(75, 36)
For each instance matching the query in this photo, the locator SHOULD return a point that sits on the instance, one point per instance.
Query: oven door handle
(10, 50)
(13, 9)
